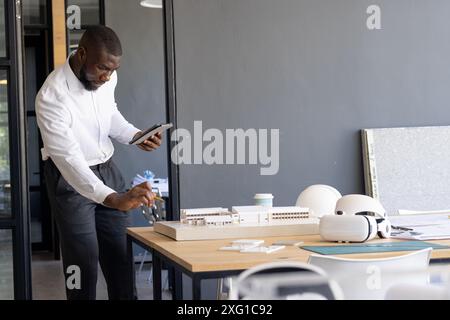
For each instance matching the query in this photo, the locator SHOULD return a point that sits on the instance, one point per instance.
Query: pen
(402, 228)
(156, 198)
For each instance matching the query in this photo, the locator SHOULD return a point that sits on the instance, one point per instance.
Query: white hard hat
(359, 204)
(320, 199)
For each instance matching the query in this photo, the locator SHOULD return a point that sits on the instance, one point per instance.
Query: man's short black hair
(101, 37)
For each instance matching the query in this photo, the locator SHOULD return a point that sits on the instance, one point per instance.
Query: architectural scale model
(246, 221)
(243, 215)
(205, 216)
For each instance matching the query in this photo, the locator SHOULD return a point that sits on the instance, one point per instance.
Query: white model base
(181, 232)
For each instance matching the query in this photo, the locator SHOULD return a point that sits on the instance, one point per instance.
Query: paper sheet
(424, 233)
(415, 212)
(419, 220)
(423, 227)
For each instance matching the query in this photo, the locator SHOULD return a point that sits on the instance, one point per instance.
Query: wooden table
(202, 260)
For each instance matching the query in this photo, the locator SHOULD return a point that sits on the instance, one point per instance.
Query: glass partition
(2, 30)
(5, 179)
(34, 12)
(90, 14)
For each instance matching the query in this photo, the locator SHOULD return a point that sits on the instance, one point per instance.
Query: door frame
(173, 210)
(45, 37)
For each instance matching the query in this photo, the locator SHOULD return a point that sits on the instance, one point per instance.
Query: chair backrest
(369, 279)
(406, 291)
(284, 280)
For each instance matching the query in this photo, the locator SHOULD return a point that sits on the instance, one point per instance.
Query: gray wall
(140, 90)
(312, 69)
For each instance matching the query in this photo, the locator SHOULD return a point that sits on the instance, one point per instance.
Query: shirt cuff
(101, 192)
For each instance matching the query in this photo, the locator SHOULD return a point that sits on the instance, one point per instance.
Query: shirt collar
(73, 83)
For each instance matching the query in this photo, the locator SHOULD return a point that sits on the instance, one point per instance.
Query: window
(91, 13)
(34, 12)
(5, 180)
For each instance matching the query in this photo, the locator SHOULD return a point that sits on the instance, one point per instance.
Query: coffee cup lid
(260, 196)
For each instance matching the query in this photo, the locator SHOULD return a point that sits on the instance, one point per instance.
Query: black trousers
(90, 233)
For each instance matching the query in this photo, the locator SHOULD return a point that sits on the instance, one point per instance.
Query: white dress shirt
(76, 126)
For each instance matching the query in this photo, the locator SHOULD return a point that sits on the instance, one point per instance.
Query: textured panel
(408, 168)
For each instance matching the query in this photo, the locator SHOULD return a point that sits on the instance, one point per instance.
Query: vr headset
(357, 218)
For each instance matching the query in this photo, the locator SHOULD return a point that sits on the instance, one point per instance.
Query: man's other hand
(152, 143)
(138, 196)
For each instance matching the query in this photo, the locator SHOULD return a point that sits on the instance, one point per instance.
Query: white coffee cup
(264, 199)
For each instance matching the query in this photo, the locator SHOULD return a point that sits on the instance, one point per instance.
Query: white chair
(406, 291)
(150, 276)
(369, 279)
(284, 281)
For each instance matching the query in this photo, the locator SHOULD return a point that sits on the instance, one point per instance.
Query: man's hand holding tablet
(150, 139)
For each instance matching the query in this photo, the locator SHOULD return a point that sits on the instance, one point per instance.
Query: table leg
(196, 288)
(177, 286)
(157, 266)
(132, 275)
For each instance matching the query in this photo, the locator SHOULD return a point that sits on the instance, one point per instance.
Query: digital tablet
(157, 128)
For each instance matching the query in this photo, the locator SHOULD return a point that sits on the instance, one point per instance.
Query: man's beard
(86, 83)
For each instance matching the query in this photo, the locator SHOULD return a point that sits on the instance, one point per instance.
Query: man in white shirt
(77, 115)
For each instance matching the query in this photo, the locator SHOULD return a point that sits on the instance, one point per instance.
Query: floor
(6, 265)
(48, 280)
